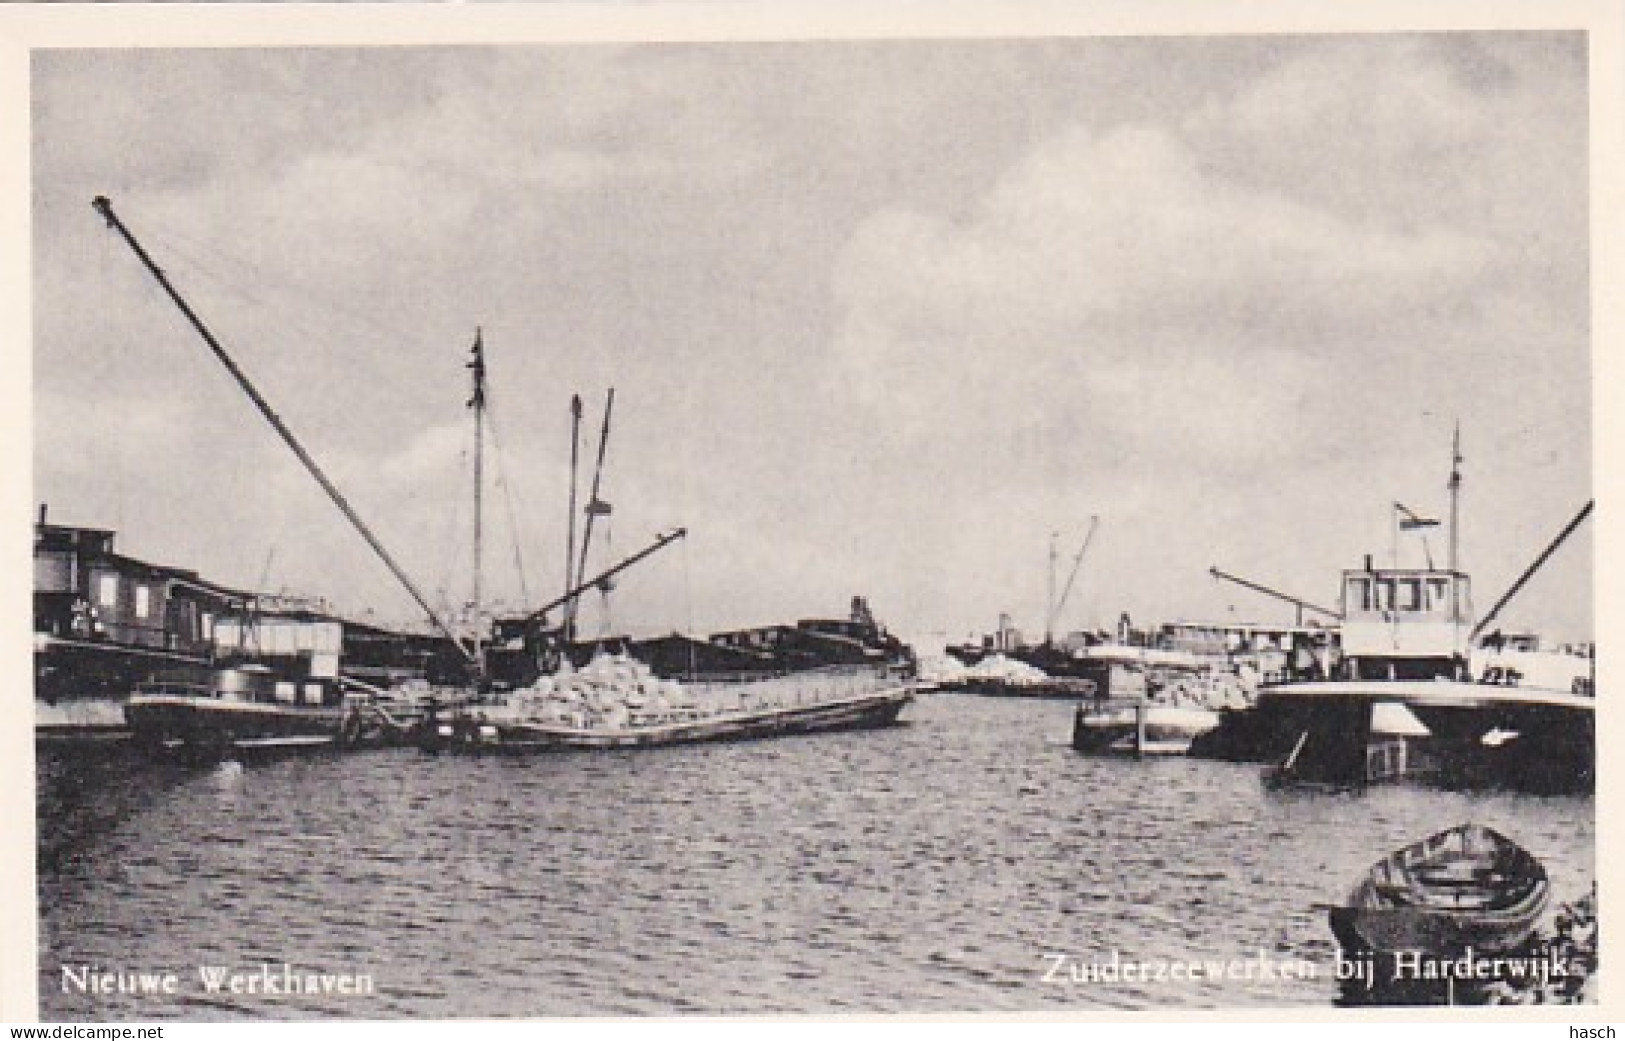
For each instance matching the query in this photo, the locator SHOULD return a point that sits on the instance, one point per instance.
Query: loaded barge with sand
(617, 702)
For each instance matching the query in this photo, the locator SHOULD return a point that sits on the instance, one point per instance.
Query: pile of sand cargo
(997, 668)
(615, 691)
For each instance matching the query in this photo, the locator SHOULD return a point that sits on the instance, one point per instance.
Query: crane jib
(105, 208)
(603, 576)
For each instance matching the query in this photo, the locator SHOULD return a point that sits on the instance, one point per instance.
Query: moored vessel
(1140, 728)
(283, 692)
(223, 711)
(1419, 692)
(1011, 677)
(105, 621)
(276, 683)
(818, 675)
(1468, 887)
(618, 702)
(1146, 701)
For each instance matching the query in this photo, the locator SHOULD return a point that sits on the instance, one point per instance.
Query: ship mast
(1049, 615)
(570, 537)
(105, 208)
(595, 508)
(1455, 493)
(476, 402)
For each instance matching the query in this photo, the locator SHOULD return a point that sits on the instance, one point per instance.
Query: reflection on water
(936, 866)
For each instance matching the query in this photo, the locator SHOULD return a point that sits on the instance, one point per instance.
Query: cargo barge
(617, 702)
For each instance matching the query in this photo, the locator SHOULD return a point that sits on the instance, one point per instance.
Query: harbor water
(967, 860)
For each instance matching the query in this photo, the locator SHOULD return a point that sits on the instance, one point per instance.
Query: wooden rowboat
(1465, 887)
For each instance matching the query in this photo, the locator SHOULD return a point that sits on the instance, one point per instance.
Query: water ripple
(926, 868)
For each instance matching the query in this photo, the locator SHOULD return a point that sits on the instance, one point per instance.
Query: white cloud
(1172, 282)
(1106, 277)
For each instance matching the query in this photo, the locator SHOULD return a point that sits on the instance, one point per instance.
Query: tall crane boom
(1077, 561)
(1301, 605)
(1529, 572)
(105, 208)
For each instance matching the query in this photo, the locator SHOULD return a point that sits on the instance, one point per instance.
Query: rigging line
(507, 498)
(174, 239)
(278, 311)
(606, 613)
(105, 209)
(510, 494)
(252, 304)
(228, 289)
(595, 506)
(451, 533)
(304, 294)
(204, 269)
(688, 591)
(200, 260)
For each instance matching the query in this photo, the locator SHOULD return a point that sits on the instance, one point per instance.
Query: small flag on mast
(478, 367)
(1409, 520)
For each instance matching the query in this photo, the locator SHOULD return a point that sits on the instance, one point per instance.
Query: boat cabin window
(1433, 594)
(107, 590)
(288, 692)
(1413, 593)
(313, 693)
(143, 602)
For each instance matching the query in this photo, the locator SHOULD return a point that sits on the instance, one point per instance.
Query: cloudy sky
(881, 317)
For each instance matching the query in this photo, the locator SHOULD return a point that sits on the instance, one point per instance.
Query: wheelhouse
(1406, 623)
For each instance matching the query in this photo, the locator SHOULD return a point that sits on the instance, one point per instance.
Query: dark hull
(1478, 735)
(202, 726)
(80, 686)
(1392, 931)
(1050, 690)
(471, 733)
